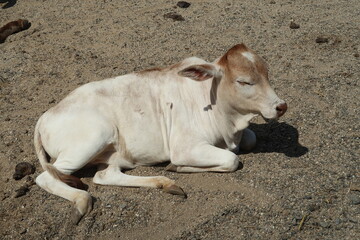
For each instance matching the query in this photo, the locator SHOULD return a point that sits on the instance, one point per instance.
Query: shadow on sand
(277, 137)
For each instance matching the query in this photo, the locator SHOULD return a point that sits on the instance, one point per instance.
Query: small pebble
(337, 221)
(30, 181)
(356, 55)
(272, 2)
(294, 25)
(7, 119)
(352, 219)
(174, 16)
(183, 4)
(324, 224)
(354, 199)
(322, 40)
(21, 191)
(313, 207)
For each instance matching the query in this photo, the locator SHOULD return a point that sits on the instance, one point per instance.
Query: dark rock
(356, 55)
(30, 181)
(294, 25)
(322, 40)
(313, 207)
(22, 169)
(183, 4)
(352, 219)
(174, 16)
(337, 221)
(7, 119)
(272, 2)
(354, 199)
(324, 224)
(21, 191)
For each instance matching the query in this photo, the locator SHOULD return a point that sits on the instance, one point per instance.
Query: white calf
(194, 113)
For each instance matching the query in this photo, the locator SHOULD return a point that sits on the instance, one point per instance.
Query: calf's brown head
(244, 84)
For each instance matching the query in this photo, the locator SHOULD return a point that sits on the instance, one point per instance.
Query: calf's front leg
(204, 158)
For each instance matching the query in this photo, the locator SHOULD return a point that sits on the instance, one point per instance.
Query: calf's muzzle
(281, 109)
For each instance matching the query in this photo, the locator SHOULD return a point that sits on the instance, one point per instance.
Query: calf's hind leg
(81, 199)
(69, 161)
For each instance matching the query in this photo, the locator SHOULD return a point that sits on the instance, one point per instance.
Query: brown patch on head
(239, 48)
(242, 60)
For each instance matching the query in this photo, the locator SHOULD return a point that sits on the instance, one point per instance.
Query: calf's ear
(199, 72)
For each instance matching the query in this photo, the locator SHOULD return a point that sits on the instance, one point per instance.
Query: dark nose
(281, 109)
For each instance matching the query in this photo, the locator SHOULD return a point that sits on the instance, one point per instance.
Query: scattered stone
(352, 219)
(294, 25)
(30, 181)
(313, 207)
(337, 221)
(324, 224)
(354, 199)
(123, 206)
(356, 55)
(307, 197)
(5, 196)
(21, 191)
(7, 119)
(23, 231)
(174, 16)
(272, 2)
(322, 40)
(183, 4)
(355, 187)
(22, 169)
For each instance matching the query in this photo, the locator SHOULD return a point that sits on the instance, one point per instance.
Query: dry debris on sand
(299, 183)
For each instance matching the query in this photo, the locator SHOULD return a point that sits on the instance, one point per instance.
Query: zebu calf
(193, 114)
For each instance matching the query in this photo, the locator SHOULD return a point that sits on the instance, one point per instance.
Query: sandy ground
(304, 171)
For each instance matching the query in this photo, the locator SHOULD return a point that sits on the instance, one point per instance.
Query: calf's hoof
(82, 207)
(175, 190)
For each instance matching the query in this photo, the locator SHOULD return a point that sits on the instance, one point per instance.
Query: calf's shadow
(277, 137)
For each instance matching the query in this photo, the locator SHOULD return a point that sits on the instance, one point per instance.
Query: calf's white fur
(194, 114)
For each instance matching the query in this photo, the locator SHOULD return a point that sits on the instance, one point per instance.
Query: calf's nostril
(281, 109)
